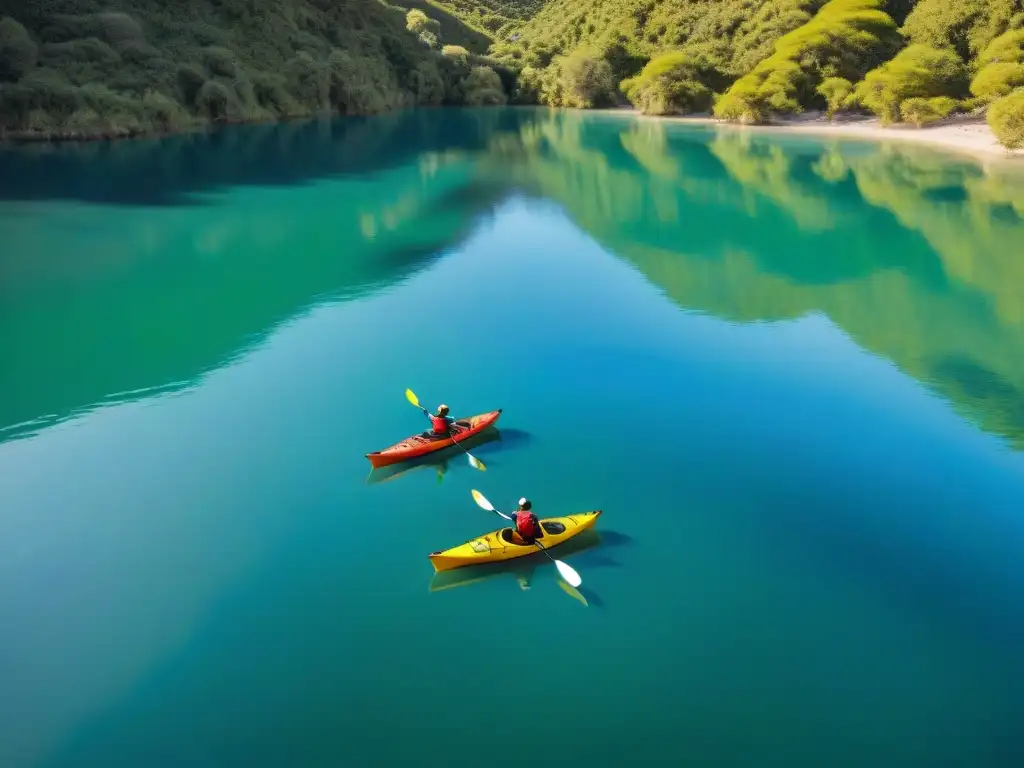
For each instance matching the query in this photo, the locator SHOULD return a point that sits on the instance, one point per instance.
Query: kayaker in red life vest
(440, 423)
(527, 526)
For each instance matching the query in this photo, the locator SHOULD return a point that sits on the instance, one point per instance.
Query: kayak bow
(498, 545)
(424, 443)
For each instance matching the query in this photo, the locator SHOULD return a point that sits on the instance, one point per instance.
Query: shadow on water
(588, 552)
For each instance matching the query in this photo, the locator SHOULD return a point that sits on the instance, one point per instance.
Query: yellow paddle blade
(475, 463)
(481, 501)
(411, 397)
(573, 592)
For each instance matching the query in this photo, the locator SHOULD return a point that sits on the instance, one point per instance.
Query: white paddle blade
(568, 573)
(481, 501)
(411, 397)
(475, 463)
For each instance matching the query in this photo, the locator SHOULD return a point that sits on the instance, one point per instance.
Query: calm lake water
(790, 371)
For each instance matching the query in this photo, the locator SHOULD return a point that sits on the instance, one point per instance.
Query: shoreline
(961, 134)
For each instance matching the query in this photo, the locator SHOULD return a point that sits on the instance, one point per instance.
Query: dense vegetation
(913, 61)
(80, 67)
(86, 68)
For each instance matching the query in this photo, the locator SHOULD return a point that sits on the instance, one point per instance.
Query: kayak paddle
(474, 462)
(564, 569)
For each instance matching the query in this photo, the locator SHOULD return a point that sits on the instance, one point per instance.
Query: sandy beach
(963, 134)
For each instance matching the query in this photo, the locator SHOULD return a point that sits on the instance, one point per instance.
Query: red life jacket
(524, 524)
(439, 424)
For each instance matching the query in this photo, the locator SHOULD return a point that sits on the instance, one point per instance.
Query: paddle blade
(482, 502)
(475, 463)
(411, 397)
(568, 573)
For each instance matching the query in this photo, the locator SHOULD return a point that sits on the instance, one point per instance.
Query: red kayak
(424, 443)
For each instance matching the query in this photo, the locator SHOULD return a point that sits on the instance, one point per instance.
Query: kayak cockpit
(553, 528)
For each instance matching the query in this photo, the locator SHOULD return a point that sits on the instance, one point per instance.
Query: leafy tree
(671, 84)
(1000, 67)
(844, 39)
(966, 26)
(18, 52)
(920, 111)
(918, 71)
(1006, 119)
(483, 88)
(583, 79)
(837, 92)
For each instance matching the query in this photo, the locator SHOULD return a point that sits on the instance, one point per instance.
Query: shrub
(137, 52)
(309, 81)
(118, 29)
(220, 62)
(1007, 47)
(966, 26)
(917, 71)
(417, 21)
(920, 111)
(190, 80)
(837, 92)
(426, 84)
(455, 52)
(483, 88)
(43, 91)
(271, 94)
(528, 86)
(673, 83)
(428, 30)
(584, 80)
(1000, 67)
(72, 54)
(1006, 119)
(18, 52)
(163, 112)
(357, 86)
(213, 100)
(743, 103)
(85, 122)
(997, 80)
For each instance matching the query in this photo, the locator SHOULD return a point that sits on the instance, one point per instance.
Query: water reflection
(915, 255)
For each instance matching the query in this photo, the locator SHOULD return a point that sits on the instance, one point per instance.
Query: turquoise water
(790, 372)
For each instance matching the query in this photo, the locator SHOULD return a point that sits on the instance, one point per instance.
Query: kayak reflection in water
(441, 422)
(527, 526)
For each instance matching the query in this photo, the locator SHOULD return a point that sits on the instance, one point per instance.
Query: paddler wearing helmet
(527, 526)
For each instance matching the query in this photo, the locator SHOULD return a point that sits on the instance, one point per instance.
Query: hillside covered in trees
(750, 60)
(83, 68)
(79, 67)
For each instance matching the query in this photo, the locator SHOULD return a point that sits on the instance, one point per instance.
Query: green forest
(87, 68)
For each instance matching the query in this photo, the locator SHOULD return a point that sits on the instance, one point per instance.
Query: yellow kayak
(498, 545)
